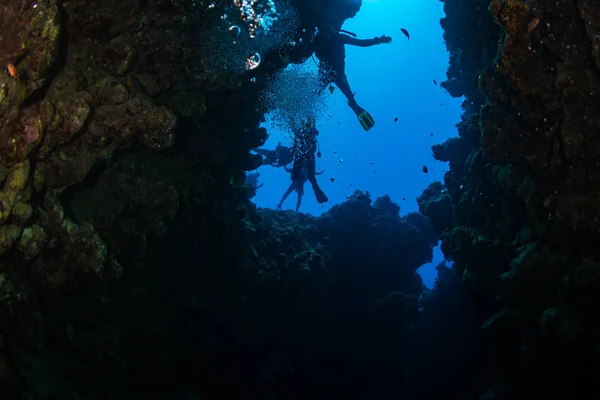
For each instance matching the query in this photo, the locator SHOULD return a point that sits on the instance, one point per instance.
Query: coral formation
(129, 248)
(522, 189)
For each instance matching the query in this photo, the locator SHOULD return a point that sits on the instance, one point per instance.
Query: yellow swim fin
(366, 120)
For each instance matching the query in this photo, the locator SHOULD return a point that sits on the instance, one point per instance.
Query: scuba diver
(279, 157)
(328, 47)
(304, 168)
(252, 184)
(298, 186)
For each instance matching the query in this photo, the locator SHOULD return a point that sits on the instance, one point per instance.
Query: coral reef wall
(518, 211)
(132, 264)
(113, 133)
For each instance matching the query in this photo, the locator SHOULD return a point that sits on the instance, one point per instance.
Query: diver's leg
(296, 171)
(299, 201)
(341, 81)
(319, 194)
(365, 119)
(310, 173)
(300, 190)
(311, 167)
(286, 194)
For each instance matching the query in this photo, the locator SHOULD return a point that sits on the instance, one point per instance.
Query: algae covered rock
(31, 36)
(23, 130)
(81, 250)
(9, 234)
(159, 133)
(436, 204)
(32, 241)
(15, 209)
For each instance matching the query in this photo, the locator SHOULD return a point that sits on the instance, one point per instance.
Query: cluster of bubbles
(252, 61)
(258, 14)
(293, 94)
(242, 31)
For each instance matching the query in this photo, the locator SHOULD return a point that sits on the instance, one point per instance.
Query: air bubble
(252, 62)
(261, 14)
(234, 30)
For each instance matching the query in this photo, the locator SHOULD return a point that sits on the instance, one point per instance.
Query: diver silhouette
(328, 46)
(304, 167)
(279, 157)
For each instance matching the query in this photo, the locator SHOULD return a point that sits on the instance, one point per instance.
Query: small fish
(434, 82)
(441, 104)
(532, 24)
(12, 71)
(331, 88)
(404, 198)
(425, 169)
(134, 83)
(405, 33)
(396, 119)
(431, 134)
(332, 179)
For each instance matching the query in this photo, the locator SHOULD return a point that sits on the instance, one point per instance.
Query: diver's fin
(366, 120)
(320, 195)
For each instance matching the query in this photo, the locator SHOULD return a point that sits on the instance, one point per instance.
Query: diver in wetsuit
(304, 168)
(279, 157)
(252, 184)
(328, 46)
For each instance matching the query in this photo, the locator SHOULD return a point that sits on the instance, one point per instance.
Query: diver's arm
(365, 42)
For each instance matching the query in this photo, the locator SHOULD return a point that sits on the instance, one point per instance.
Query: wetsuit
(304, 149)
(279, 157)
(329, 47)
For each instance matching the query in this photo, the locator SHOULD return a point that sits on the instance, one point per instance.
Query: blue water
(391, 81)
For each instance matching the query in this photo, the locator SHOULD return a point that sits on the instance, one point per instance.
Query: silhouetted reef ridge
(518, 215)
